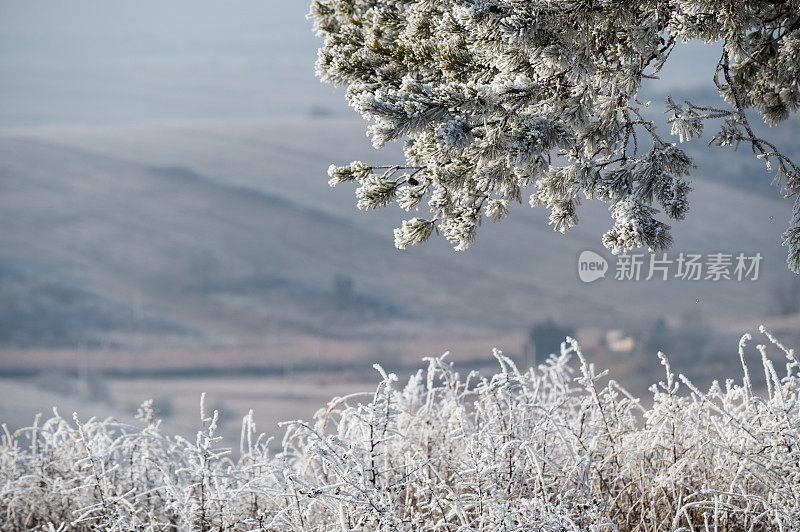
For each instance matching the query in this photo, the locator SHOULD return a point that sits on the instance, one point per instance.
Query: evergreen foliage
(497, 99)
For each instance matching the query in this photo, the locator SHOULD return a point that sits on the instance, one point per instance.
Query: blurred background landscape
(166, 228)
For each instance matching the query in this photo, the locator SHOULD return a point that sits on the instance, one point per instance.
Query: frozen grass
(550, 449)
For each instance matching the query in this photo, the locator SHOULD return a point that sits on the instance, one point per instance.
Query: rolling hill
(225, 236)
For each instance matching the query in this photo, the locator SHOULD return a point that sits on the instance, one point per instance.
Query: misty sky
(101, 61)
(114, 61)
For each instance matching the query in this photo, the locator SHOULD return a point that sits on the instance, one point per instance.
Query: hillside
(212, 237)
(192, 260)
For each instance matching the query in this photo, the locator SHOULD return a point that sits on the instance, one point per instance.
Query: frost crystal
(494, 98)
(557, 447)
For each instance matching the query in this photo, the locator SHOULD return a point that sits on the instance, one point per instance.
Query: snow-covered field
(561, 447)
